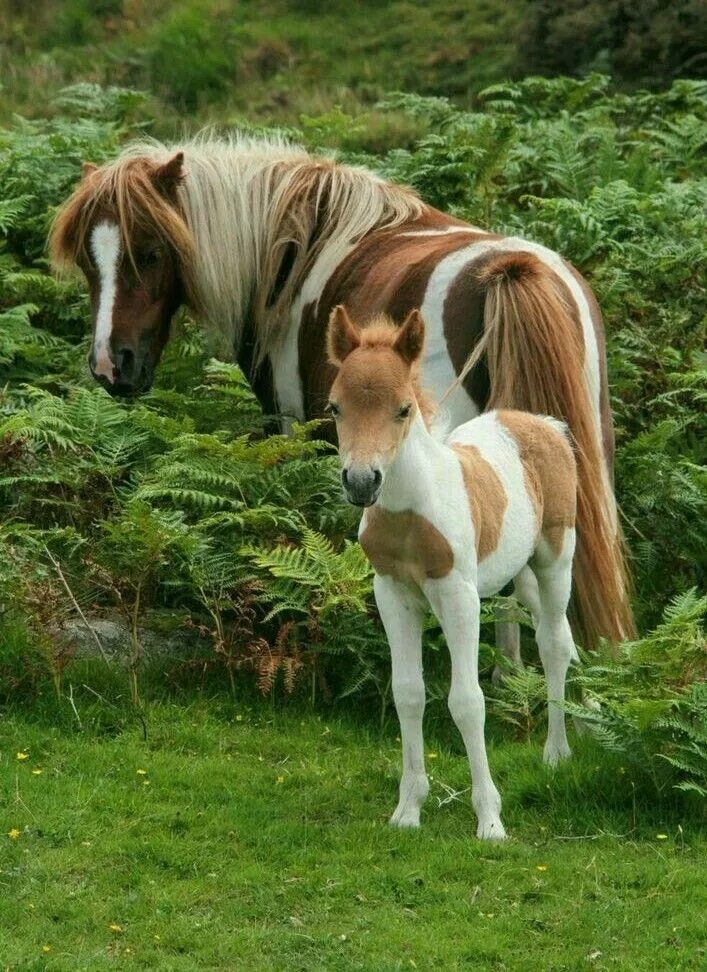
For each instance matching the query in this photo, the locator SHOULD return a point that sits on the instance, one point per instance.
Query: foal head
(124, 228)
(374, 398)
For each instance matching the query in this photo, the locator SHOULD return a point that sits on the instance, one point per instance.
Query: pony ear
(87, 169)
(170, 174)
(342, 336)
(411, 338)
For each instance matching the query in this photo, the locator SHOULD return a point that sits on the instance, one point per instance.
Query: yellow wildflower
(46, 948)
(115, 927)
(23, 755)
(541, 867)
(37, 772)
(145, 782)
(14, 833)
(432, 755)
(141, 772)
(280, 779)
(661, 836)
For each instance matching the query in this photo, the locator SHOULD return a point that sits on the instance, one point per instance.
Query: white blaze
(105, 247)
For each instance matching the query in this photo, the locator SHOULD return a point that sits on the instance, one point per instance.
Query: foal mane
(381, 333)
(250, 220)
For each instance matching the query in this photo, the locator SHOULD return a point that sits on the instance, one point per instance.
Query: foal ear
(170, 174)
(342, 336)
(411, 338)
(87, 169)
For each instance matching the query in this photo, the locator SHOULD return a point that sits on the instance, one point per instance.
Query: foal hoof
(491, 829)
(405, 819)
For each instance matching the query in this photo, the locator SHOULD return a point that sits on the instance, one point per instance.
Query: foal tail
(535, 352)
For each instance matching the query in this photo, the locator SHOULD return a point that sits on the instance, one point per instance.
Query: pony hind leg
(555, 641)
(403, 618)
(457, 606)
(525, 588)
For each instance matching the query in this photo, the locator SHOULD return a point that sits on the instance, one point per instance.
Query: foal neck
(410, 478)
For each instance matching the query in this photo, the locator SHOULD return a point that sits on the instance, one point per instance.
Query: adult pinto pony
(261, 240)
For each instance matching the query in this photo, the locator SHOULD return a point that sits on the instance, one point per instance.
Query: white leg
(455, 601)
(402, 617)
(555, 642)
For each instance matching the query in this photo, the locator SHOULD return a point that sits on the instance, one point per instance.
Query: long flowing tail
(534, 352)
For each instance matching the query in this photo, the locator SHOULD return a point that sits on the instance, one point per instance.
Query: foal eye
(331, 408)
(404, 412)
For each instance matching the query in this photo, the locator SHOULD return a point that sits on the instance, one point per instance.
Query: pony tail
(535, 357)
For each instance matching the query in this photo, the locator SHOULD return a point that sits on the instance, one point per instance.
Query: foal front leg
(456, 603)
(402, 618)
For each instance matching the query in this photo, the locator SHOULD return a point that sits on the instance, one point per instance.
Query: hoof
(405, 820)
(556, 754)
(491, 829)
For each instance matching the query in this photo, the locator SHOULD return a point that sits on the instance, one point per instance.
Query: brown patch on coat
(386, 273)
(550, 473)
(487, 498)
(405, 546)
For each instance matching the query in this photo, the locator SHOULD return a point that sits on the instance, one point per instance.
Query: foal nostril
(345, 477)
(377, 477)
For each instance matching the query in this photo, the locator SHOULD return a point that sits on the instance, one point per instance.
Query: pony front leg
(456, 603)
(402, 617)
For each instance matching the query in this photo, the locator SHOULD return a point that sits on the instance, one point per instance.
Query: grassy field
(239, 837)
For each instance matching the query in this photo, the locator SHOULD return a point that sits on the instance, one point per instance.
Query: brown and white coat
(447, 522)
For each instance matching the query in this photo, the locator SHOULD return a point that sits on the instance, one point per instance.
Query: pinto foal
(447, 523)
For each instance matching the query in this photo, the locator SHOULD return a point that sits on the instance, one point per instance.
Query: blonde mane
(253, 216)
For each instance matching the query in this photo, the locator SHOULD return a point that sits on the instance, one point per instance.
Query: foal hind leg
(554, 638)
(402, 618)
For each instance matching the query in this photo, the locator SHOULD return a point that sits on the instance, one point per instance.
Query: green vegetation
(256, 837)
(176, 511)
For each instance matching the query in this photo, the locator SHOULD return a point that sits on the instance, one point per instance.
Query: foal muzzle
(362, 486)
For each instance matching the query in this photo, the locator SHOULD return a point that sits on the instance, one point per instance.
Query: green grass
(256, 838)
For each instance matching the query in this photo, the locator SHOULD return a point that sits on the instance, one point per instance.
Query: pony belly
(519, 535)
(505, 563)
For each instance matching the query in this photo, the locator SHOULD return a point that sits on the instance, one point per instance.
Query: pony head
(124, 228)
(374, 398)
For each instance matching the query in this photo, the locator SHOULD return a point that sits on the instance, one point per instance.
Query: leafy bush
(653, 698)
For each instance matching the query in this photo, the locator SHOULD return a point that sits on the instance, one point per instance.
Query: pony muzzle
(121, 371)
(362, 484)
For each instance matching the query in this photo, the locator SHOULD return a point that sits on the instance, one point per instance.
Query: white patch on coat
(105, 247)
(438, 372)
(287, 383)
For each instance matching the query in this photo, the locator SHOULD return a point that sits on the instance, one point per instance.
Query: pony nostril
(377, 476)
(345, 477)
(125, 362)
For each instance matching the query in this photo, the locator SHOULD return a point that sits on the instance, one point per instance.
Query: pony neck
(409, 480)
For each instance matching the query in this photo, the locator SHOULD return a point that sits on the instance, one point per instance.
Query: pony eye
(404, 412)
(331, 408)
(151, 257)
